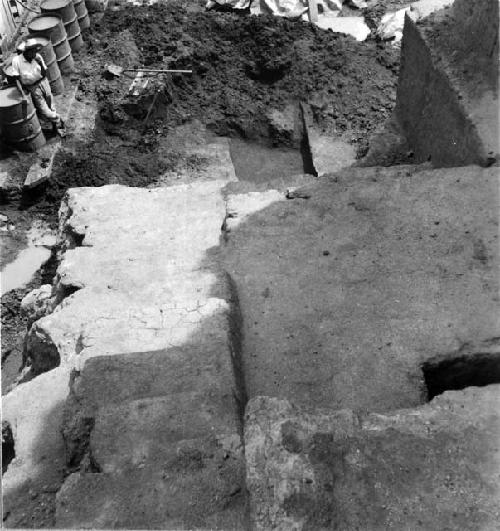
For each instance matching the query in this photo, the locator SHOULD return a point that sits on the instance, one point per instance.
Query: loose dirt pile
(244, 68)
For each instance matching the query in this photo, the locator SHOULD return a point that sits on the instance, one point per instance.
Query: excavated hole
(258, 163)
(458, 373)
(8, 447)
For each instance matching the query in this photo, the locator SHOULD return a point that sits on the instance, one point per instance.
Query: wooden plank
(313, 11)
(7, 23)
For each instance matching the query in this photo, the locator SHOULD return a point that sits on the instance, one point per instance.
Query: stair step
(149, 430)
(200, 487)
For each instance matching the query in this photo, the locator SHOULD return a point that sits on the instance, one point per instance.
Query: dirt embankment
(243, 68)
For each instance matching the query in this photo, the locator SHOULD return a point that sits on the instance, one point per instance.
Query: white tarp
(285, 8)
(235, 4)
(280, 8)
(328, 11)
(391, 25)
(355, 26)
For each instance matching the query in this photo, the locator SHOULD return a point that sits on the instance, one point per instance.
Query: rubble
(37, 303)
(341, 469)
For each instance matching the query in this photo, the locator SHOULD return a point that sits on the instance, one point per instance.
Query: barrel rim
(26, 138)
(64, 57)
(15, 103)
(68, 22)
(58, 43)
(45, 15)
(64, 3)
(75, 36)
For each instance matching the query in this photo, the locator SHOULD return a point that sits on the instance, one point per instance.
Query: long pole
(158, 70)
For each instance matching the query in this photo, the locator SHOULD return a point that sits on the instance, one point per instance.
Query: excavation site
(249, 268)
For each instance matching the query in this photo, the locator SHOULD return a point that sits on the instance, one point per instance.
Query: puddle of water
(258, 164)
(19, 272)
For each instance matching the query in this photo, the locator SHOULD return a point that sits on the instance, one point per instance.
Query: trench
(8, 446)
(476, 370)
(259, 163)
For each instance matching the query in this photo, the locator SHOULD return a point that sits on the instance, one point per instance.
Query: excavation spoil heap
(243, 66)
(246, 69)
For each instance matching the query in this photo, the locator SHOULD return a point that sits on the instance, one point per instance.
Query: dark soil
(471, 59)
(13, 333)
(243, 67)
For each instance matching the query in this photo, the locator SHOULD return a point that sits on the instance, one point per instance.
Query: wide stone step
(144, 431)
(201, 487)
(196, 385)
(142, 268)
(109, 380)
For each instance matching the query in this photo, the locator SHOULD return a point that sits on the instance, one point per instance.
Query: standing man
(29, 68)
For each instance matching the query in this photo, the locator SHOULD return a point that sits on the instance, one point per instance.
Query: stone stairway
(144, 317)
(347, 299)
(152, 309)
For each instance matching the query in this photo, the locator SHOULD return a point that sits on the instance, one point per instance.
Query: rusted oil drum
(66, 10)
(51, 26)
(81, 14)
(53, 72)
(21, 132)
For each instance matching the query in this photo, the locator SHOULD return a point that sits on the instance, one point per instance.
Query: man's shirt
(28, 72)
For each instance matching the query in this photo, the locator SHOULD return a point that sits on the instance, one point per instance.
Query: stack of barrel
(58, 31)
(61, 21)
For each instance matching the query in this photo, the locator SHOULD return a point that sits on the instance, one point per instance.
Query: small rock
(112, 71)
(37, 303)
(293, 193)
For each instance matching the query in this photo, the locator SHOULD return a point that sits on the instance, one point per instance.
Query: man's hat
(29, 44)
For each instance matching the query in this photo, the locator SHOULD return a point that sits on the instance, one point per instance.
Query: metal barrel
(74, 35)
(24, 133)
(51, 26)
(81, 14)
(53, 72)
(66, 10)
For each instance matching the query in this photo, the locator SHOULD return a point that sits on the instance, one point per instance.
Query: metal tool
(150, 70)
(116, 71)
